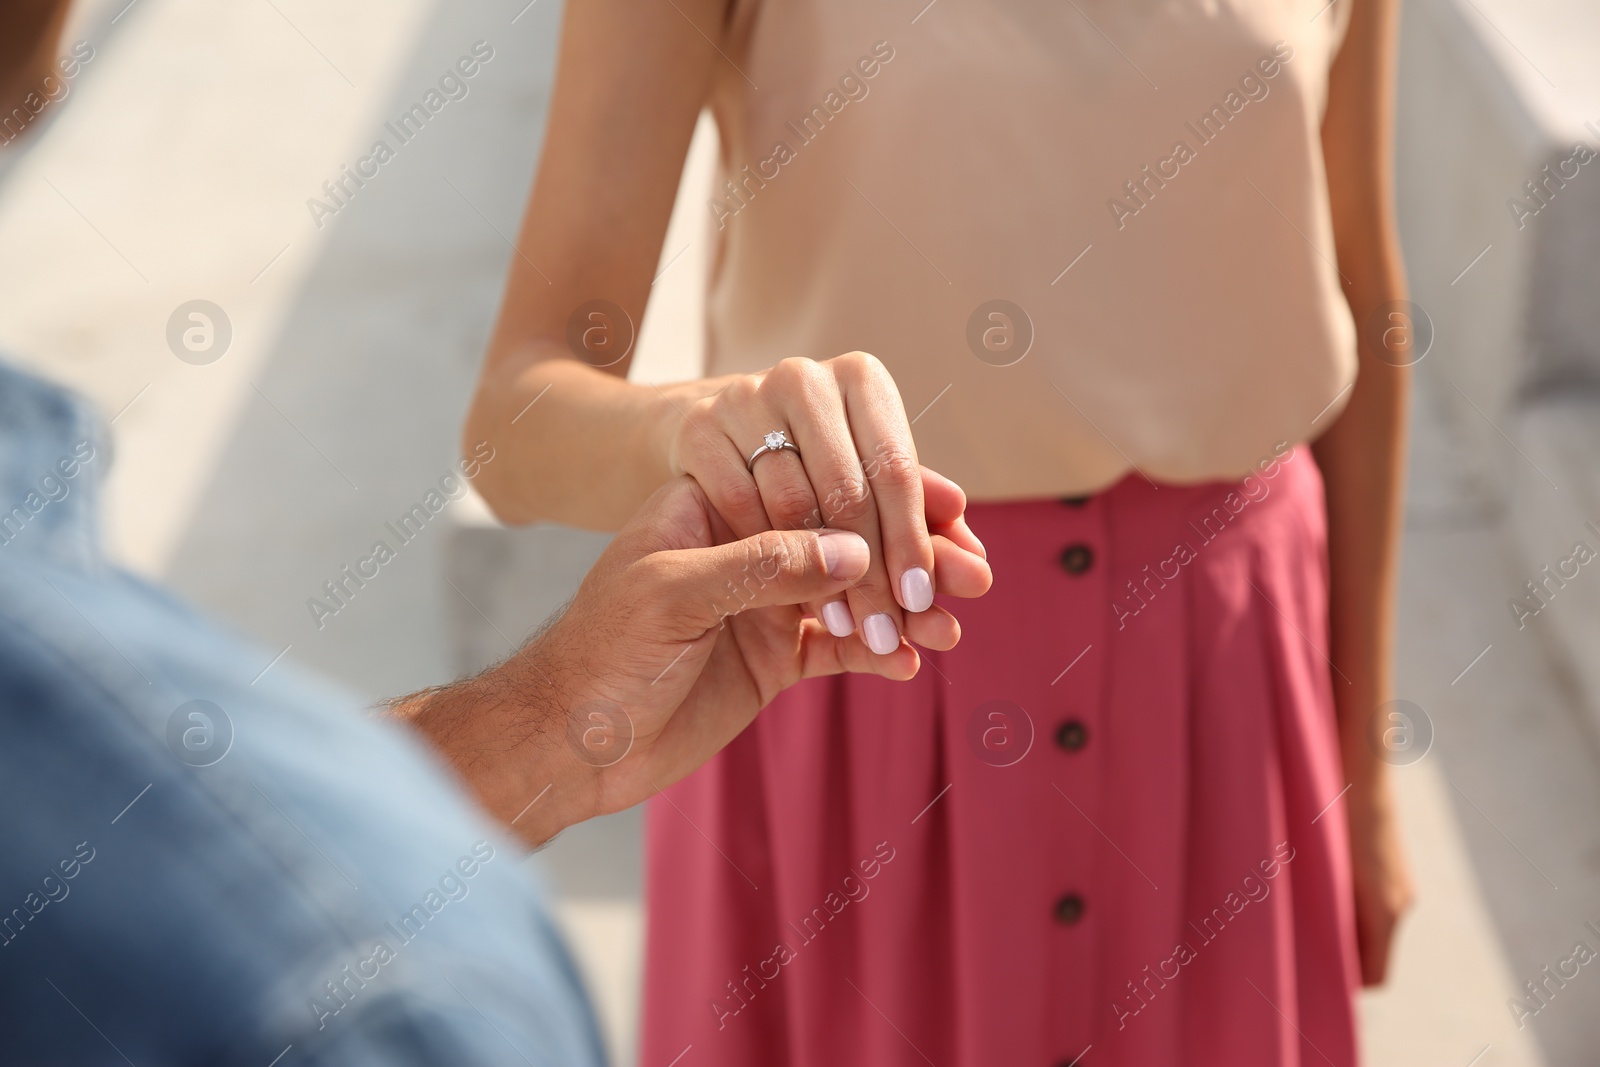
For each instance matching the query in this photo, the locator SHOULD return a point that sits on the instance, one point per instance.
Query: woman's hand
(1381, 878)
(856, 470)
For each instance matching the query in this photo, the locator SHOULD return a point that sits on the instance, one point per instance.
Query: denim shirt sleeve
(52, 455)
(205, 863)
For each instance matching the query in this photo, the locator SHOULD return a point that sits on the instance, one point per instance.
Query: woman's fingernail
(844, 554)
(916, 589)
(880, 634)
(837, 618)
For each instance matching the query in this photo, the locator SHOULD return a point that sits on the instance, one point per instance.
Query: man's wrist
(505, 733)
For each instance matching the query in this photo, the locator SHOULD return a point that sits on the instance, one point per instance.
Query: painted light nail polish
(837, 618)
(880, 633)
(916, 589)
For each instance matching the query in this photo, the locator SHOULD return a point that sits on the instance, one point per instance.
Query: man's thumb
(771, 568)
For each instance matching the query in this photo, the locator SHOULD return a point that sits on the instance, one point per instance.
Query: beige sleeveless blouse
(1085, 236)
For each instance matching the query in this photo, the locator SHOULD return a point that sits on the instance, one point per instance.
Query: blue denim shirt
(208, 863)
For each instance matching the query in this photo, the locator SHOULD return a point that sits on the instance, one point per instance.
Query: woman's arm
(631, 81)
(630, 84)
(1362, 457)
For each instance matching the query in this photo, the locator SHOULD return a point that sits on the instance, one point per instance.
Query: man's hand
(676, 639)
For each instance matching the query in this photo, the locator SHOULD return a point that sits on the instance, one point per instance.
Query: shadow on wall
(351, 438)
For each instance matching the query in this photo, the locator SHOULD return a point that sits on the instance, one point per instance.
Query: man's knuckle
(769, 555)
(651, 577)
(771, 544)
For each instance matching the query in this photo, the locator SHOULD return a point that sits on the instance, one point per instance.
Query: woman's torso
(909, 165)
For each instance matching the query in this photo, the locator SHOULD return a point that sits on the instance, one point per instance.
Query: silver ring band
(776, 441)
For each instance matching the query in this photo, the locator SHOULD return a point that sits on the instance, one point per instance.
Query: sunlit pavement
(180, 170)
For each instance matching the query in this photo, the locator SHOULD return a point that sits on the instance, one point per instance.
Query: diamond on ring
(773, 441)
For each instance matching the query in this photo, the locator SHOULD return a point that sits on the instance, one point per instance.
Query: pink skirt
(1105, 829)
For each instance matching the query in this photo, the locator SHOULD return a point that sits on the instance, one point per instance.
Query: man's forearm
(505, 733)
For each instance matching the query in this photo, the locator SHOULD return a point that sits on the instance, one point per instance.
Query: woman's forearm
(591, 447)
(573, 444)
(1362, 459)
(1363, 454)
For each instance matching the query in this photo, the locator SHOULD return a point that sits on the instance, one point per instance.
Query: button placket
(1075, 766)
